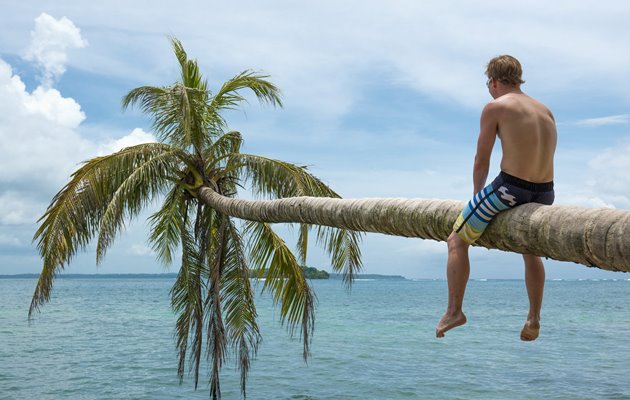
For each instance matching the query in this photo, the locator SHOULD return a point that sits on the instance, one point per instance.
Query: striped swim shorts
(505, 192)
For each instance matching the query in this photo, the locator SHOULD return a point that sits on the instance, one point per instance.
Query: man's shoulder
(515, 103)
(494, 106)
(511, 98)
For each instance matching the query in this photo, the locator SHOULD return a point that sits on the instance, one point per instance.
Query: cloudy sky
(382, 99)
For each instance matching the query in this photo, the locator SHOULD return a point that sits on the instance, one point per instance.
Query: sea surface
(113, 339)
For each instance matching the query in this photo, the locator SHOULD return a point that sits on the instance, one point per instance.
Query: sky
(381, 99)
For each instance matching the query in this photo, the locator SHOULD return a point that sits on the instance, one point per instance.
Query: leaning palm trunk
(592, 237)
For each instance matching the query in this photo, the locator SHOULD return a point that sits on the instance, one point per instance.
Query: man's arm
(489, 126)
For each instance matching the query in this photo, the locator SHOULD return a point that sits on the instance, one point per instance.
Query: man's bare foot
(530, 330)
(448, 322)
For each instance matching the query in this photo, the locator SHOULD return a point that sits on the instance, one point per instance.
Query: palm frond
(221, 149)
(189, 69)
(161, 103)
(281, 179)
(284, 280)
(278, 179)
(216, 331)
(75, 212)
(302, 244)
(148, 98)
(165, 225)
(142, 178)
(343, 247)
(228, 96)
(178, 49)
(238, 305)
(191, 97)
(178, 113)
(187, 301)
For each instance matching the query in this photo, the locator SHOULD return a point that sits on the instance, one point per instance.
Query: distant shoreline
(372, 276)
(172, 275)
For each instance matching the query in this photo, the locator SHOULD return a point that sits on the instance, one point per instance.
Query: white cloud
(325, 55)
(49, 104)
(137, 136)
(42, 145)
(603, 181)
(608, 174)
(10, 240)
(38, 132)
(420, 248)
(621, 119)
(19, 208)
(50, 42)
(581, 198)
(140, 250)
(321, 53)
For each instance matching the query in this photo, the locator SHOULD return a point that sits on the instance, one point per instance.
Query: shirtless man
(527, 132)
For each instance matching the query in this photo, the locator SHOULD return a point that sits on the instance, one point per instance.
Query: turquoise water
(113, 339)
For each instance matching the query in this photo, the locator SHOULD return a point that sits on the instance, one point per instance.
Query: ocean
(113, 339)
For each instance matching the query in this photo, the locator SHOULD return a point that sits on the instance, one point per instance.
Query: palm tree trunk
(595, 237)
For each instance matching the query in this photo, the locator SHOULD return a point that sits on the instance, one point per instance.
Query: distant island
(309, 273)
(314, 273)
(372, 276)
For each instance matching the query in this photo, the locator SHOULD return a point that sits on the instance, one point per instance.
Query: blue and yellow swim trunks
(505, 192)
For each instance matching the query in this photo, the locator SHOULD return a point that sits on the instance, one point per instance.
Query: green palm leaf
(191, 77)
(302, 244)
(343, 247)
(238, 304)
(219, 154)
(284, 279)
(142, 181)
(281, 179)
(187, 301)
(278, 179)
(166, 225)
(178, 113)
(217, 339)
(75, 213)
(228, 96)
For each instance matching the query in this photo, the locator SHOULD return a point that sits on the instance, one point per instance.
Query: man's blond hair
(506, 69)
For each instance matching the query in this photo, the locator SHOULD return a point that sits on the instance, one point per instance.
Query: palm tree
(212, 295)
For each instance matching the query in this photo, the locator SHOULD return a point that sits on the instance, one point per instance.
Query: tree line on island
(308, 272)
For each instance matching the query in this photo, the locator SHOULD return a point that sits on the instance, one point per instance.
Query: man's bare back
(528, 137)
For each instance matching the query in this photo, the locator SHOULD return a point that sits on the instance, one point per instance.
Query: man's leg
(457, 272)
(535, 282)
